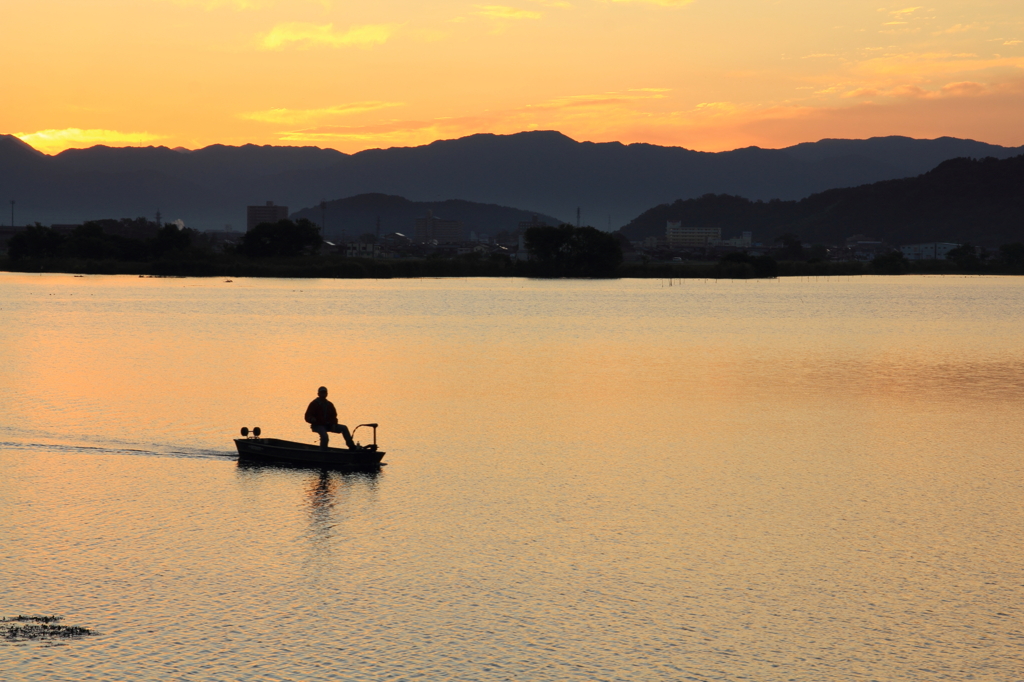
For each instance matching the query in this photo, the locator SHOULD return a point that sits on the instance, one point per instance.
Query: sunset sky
(702, 74)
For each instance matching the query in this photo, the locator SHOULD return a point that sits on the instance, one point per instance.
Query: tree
(89, 241)
(172, 238)
(281, 239)
(792, 248)
(567, 251)
(965, 256)
(817, 252)
(35, 242)
(764, 266)
(1012, 255)
(892, 263)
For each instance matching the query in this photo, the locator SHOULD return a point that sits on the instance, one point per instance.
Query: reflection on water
(792, 480)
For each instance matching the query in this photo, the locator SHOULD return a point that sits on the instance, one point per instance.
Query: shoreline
(330, 268)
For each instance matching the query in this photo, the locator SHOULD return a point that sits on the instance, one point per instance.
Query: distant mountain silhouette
(542, 170)
(961, 200)
(358, 215)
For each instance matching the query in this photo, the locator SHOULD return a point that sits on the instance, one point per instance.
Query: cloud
(217, 4)
(960, 28)
(241, 5)
(963, 89)
(915, 66)
(904, 12)
(314, 35)
(991, 116)
(715, 108)
(957, 89)
(1012, 42)
(300, 116)
(504, 12)
(662, 3)
(52, 140)
(552, 114)
(962, 109)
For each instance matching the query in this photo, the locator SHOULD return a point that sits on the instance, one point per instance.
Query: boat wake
(118, 449)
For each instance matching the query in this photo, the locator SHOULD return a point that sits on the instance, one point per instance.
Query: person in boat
(323, 419)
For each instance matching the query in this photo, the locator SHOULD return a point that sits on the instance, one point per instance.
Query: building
(932, 251)
(437, 229)
(254, 215)
(361, 249)
(680, 237)
(744, 241)
(534, 222)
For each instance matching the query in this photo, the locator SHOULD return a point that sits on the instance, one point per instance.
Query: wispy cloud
(553, 113)
(715, 108)
(922, 65)
(663, 3)
(640, 115)
(957, 89)
(505, 12)
(240, 5)
(609, 99)
(904, 12)
(217, 4)
(960, 28)
(301, 34)
(54, 140)
(300, 116)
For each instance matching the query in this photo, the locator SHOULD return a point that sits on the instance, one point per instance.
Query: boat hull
(275, 450)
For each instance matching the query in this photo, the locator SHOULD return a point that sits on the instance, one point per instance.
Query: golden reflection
(780, 467)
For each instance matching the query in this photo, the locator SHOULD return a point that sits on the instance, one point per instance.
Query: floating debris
(39, 629)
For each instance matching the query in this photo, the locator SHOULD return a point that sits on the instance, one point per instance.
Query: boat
(251, 446)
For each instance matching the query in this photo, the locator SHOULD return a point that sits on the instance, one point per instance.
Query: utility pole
(577, 216)
(158, 217)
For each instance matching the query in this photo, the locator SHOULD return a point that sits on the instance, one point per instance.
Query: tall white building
(680, 237)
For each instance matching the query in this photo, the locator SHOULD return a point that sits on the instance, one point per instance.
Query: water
(784, 480)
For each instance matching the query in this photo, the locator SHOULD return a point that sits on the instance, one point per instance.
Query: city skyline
(704, 75)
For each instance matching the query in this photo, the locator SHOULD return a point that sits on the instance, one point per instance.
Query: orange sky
(703, 74)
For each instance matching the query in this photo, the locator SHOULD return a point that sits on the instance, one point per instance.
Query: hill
(544, 170)
(961, 200)
(357, 215)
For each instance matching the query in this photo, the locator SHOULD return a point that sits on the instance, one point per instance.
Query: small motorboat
(252, 447)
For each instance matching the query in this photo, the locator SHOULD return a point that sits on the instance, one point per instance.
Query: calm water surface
(787, 480)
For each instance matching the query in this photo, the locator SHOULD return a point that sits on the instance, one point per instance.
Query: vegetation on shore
(222, 265)
(293, 250)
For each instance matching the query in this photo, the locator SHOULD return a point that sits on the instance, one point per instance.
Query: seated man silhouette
(323, 418)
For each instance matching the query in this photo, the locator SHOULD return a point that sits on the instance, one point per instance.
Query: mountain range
(541, 172)
(980, 201)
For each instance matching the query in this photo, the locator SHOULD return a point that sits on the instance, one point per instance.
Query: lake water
(801, 479)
